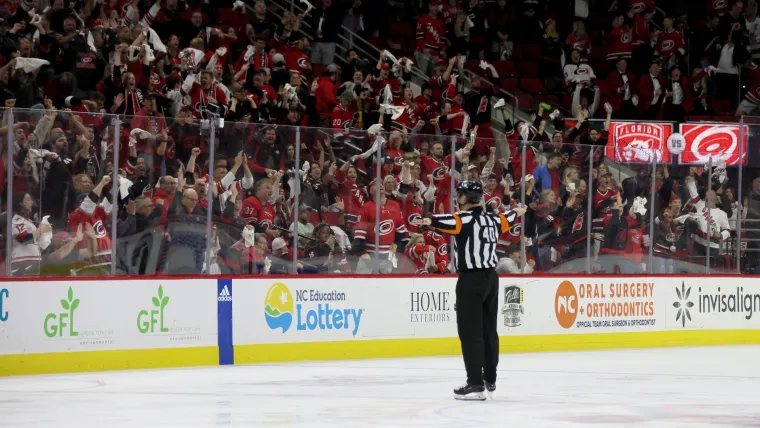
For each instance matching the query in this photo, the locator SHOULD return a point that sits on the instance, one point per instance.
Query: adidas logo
(225, 295)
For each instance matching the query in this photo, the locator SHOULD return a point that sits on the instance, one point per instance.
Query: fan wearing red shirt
(258, 211)
(390, 227)
(620, 44)
(421, 255)
(205, 97)
(296, 58)
(349, 192)
(94, 218)
(670, 44)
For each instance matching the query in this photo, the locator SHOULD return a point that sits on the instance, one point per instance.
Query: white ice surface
(676, 387)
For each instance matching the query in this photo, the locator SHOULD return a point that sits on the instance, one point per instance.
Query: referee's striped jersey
(477, 234)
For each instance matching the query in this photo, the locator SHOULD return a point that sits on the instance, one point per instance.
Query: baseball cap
(278, 59)
(332, 68)
(278, 244)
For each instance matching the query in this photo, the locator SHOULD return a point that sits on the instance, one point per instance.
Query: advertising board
(89, 315)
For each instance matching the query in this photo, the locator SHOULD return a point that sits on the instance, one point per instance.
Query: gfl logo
(4, 294)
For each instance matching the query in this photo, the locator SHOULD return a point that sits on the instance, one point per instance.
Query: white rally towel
(394, 111)
(30, 64)
(309, 7)
(155, 41)
(135, 134)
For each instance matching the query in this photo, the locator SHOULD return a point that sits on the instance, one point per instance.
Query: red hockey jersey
(254, 212)
(669, 43)
(389, 224)
(620, 43)
(430, 34)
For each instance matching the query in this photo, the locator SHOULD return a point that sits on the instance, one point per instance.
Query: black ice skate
(470, 392)
(490, 388)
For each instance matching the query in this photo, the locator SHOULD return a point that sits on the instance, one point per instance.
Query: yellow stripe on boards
(399, 348)
(92, 361)
(73, 362)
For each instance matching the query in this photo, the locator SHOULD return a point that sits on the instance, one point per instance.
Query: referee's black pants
(477, 301)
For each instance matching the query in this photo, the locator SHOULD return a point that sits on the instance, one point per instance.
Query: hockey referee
(477, 293)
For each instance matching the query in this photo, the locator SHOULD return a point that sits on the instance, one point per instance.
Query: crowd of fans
(225, 131)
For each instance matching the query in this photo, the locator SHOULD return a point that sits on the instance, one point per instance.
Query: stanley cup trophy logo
(513, 306)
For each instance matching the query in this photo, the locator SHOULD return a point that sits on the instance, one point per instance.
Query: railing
(139, 223)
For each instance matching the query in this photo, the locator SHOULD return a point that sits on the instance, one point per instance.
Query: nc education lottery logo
(311, 310)
(605, 305)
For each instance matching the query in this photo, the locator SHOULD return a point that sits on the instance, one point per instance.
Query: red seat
(604, 87)
(725, 118)
(722, 107)
(509, 84)
(532, 50)
(532, 84)
(231, 17)
(517, 51)
(527, 68)
(504, 68)
(525, 101)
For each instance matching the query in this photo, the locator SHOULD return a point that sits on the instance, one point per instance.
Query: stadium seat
(531, 50)
(510, 84)
(525, 101)
(722, 107)
(527, 68)
(533, 85)
(504, 68)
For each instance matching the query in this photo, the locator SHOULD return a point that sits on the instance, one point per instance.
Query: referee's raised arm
(450, 223)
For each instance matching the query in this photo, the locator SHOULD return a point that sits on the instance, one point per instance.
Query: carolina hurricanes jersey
(582, 44)
(389, 224)
(421, 256)
(478, 106)
(620, 43)
(430, 34)
(298, 62)
(716, 220)
(493, 200)
(641, 34)
(753, 93)
(509, 237)
(98, 222)
(441, 245)
(411, 212)
(437, 86)
(409, 117)
(601, 209)
(669, 43)
(718, 7)
(637, 6)
(437, 168)
(199, 99)
(24, 248)
(254, 212)
(342, 118)
(352, 196)
(628, 241)
(578, 73)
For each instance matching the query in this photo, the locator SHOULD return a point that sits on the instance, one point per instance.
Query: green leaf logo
(155, 302)
(71, 294)
(160, 291)
(164, 302)
(65, 304)
(74, 304)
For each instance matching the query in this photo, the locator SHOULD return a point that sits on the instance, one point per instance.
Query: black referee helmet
(472, 190)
